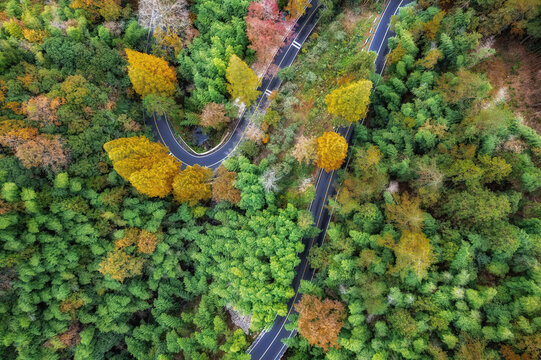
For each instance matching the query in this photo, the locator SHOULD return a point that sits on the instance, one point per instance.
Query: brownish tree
(222, 186)
(320, 322)
(36, 150)
(214, 115)
(43, 110)
(305, 150)
(144, 240)
(405, 213)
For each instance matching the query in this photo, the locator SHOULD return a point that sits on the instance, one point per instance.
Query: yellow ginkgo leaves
(150, 74)
(145, 164)
(331, 150)
(350, 101)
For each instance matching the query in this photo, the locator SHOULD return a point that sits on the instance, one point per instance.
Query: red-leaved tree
(265, 27)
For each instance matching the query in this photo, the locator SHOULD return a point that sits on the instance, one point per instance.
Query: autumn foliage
(150, 74)
(350, 101)
(193, 185)
(214, 115)
(145, 164)
(320, 322)
(243, 81)
(413, 252)
(305, 149)
(265, 28)
(405, 213)
(43, 110)
(432, 27)
(296, 8)
(32, 148)
(331, 150)
(144, 240)
(108, 9)
(119, 265)
(222, 186)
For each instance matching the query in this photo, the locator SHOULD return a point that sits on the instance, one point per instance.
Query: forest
(113, 248)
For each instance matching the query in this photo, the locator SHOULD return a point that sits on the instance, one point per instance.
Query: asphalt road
(284, 58)
(269, 346)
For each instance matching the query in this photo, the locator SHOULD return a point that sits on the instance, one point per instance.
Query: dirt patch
(516, 71)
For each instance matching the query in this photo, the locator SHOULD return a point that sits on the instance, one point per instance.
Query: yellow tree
(243, 81)
(296, 8)
(350, 101)
(109, 9)
(396, 54)
(120, 265)
(413, 252)
(193, 185)
(331, 150)
(430, 59)
(150, 74)
(432, 26)
(145, 164)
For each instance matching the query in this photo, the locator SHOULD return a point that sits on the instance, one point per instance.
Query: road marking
(268, 92)
(296, 44)
(388, 27)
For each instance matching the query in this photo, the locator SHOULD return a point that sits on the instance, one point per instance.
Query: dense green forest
(109, 251)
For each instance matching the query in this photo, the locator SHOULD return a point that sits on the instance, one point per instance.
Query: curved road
(284, 58)
(268, 345)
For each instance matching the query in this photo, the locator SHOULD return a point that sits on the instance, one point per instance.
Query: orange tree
(331, 150)
(150, 74)
(222, 186)
(320, 321)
